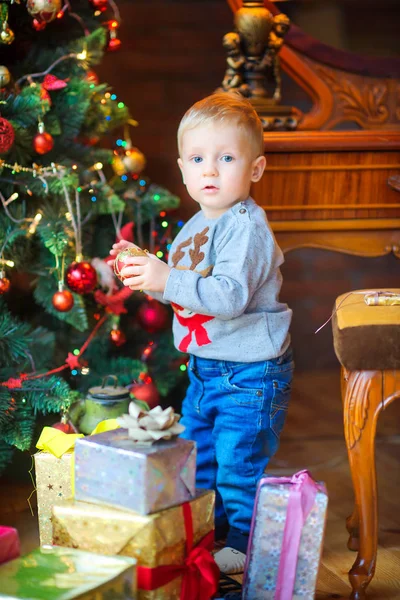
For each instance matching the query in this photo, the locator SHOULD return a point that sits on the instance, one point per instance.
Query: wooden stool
(367, 345)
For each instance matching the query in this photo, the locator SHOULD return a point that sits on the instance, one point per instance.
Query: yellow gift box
(54, 471)
(155, 540)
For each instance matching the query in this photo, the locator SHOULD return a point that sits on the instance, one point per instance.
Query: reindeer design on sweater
(193, 321)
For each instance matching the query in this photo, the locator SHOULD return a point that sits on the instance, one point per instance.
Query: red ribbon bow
(200, 573)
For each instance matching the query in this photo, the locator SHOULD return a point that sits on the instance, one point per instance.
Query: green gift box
(55, 573)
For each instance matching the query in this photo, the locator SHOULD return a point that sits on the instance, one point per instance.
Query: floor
(312, 439)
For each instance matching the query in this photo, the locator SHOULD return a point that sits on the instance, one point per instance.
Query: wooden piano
(332, 183)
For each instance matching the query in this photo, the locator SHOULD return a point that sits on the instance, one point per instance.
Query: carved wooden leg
(353, 520)
(352, 526)
(362, 403)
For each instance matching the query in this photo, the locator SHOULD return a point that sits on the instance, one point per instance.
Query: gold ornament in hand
(123, 256)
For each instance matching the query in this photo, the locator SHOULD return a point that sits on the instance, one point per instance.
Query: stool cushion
(366, 337)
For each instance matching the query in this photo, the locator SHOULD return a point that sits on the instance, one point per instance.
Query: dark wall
(171, 56)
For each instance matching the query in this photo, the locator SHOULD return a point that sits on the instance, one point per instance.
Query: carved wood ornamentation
(367, 101)
(342, 86)
(356, 406)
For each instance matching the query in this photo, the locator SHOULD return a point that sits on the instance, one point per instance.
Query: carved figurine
(264, 64)
(275, 42)
(235, 61)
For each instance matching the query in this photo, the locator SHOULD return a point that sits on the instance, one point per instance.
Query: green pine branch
(6, 454)
(15, 338)
(45, 289)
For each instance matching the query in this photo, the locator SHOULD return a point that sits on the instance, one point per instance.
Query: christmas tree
(65, 321)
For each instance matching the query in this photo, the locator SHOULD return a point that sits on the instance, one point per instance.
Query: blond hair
(224, 108)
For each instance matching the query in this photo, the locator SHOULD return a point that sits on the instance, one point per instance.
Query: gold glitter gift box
(52, 573)
(154, 540)
(53, 484)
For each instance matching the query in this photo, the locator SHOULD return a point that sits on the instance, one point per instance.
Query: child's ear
(180, 165)
(258, 168)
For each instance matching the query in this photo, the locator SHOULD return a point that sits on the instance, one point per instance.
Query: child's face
(218, 165)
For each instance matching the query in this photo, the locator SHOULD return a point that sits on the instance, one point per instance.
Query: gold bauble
(121, 258)
(7, 35)
(5, 76)
(43, 10)
(134, 160)
(118, 166)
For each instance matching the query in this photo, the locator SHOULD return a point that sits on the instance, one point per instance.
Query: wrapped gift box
(51, 573)
(110, 468)
(53, 484)
(285, 508)
(9, 544)
(156, 540)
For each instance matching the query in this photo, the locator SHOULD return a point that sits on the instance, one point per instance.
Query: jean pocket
(245, 382)
(279, 405)
(195, 390)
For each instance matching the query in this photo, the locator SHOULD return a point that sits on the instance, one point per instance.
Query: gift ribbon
(302, 496)
(200, 573)
(58, 443)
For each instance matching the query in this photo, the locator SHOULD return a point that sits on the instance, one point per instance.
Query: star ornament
(73, 361)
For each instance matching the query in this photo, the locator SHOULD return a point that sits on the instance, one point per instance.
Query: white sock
(230, 561)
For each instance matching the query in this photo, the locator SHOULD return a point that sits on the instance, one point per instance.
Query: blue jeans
(235, 412)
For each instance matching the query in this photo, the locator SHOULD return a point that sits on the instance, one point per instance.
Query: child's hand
(146, 273)
(118, 247)
(121, 245)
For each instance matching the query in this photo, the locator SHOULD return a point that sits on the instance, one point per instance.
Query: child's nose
(210, 169)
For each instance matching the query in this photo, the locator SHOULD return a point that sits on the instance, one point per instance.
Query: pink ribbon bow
(301, 500)
(302, 496)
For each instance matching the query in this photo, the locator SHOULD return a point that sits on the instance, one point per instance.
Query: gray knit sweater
(224, 287)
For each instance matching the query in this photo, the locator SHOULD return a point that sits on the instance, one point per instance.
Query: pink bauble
(152, 316)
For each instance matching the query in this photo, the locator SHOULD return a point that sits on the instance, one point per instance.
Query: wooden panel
(303, 186)
(340, 141)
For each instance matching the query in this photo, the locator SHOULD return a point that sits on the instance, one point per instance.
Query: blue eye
(227, 158)
(197, 159)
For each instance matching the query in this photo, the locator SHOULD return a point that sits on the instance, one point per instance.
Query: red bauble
(114, 44)
(7, 135)
(117, 337)
(38, 25)
(63, 301)
(146, 392)
(65, 427)
(81, 277)
(4, 285)
(91, 77)
(43, 142)
(152, 316)
(100, 5)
